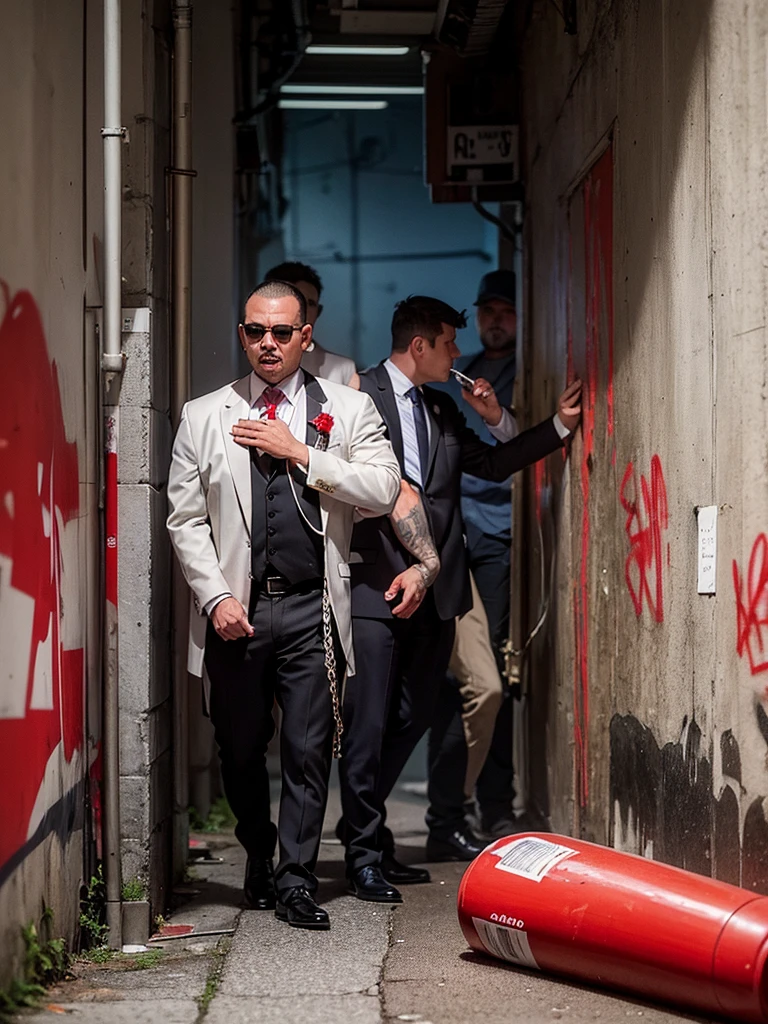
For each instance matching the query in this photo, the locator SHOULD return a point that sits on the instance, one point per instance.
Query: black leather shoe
(459, 845)
(259, 884)
(402, 874)
(297, 907)
(369, 884)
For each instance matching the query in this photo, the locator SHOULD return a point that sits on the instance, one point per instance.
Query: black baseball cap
(499, 284)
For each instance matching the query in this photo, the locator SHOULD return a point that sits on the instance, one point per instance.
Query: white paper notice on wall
(707, 561)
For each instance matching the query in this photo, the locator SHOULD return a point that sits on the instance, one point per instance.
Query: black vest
(280, 536)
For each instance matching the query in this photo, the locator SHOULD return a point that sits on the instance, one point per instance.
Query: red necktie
(272, 398)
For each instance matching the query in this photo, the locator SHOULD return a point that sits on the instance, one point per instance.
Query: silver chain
(330, 668)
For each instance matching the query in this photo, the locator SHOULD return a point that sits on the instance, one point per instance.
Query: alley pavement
(375, 965)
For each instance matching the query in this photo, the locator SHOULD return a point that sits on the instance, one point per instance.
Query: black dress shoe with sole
(402, 874)
(459, 845)
(369, 884)
(298, 908)
(259, 884)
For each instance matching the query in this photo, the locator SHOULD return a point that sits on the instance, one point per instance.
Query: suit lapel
(436, 429)
(316, 399)
(236, 407)
(386, 403)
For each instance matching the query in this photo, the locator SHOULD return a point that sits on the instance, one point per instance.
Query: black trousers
(283, 660)
(489, 562)
(388, 706)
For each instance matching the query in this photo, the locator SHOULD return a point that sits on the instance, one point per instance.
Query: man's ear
(306, 336)
(418, 344)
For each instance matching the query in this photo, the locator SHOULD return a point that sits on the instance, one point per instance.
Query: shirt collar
(290, 386)
(401, 384)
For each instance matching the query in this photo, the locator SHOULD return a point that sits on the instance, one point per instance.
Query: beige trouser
(474, 665)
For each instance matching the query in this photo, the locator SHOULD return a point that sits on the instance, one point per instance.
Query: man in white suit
(264, 482)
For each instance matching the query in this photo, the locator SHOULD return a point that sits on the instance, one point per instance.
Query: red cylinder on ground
(563, 905)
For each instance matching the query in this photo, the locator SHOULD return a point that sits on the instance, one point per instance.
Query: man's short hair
(422, 316)
(293, 272)
(281, 290)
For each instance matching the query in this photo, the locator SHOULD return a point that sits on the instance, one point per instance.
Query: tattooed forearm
(410, 522)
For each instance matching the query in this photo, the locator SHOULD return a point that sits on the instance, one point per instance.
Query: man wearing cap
(487, 511)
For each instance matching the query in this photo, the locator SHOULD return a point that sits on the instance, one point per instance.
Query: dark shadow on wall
(665, 796)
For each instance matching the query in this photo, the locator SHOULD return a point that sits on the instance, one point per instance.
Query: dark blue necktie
(420, 422)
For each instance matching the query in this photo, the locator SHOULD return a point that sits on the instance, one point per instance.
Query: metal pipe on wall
(181, 312)
(112, 361)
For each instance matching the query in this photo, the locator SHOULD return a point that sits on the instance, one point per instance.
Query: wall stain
(664, 795)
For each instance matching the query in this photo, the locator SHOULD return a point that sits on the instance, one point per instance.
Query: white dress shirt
(401, 385)
(292, 410)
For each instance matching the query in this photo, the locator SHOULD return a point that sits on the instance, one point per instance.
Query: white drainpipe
(112, 362)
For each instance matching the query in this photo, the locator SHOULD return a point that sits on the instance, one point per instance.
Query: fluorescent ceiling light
(333, 104)
(363, 51)
(355, 90)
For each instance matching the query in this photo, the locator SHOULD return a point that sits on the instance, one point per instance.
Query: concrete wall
(49, 616)
(645, 149)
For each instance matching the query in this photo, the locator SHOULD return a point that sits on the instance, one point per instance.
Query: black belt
(274, 584)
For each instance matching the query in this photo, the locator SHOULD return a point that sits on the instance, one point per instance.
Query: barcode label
(505, 943)
(530, 857)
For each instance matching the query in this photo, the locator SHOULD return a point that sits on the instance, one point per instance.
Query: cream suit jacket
(209, 494)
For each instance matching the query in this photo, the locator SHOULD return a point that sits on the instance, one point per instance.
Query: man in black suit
(389, 705)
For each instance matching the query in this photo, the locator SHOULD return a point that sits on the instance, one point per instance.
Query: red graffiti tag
(752, 607)
(647, 519)
(42, 694)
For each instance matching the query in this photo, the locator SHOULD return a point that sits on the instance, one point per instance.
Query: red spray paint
(647, 520)
(39, 495)
(598, 283)
(752, 607)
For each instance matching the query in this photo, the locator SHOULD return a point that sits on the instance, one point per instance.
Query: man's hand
(272, 437)
(483, 400)
(413, 587)
(230, 620)
(569, 405)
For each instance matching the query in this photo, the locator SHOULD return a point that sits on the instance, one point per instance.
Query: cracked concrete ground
(375, 965)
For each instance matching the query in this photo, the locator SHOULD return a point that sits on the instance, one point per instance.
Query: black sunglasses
(282, 333)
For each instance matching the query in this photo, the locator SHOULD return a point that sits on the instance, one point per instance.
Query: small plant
(220, 817)
(143, 961)
(133, 890)
(214, 978)
(46, 961)
(102, 955)
(160, 923)
(93, 925)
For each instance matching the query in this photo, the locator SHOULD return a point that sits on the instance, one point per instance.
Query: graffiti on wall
(645, 503)
(752, 607)
(595, 198)
(42, 670)
(664, 803)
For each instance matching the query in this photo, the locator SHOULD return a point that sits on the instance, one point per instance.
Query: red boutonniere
(323, 423)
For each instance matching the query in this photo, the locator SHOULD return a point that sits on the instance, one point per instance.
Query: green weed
(93, 925)
(133, 890)
(46, 961)
(214, 978)
(143, 961)
(220, 817)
